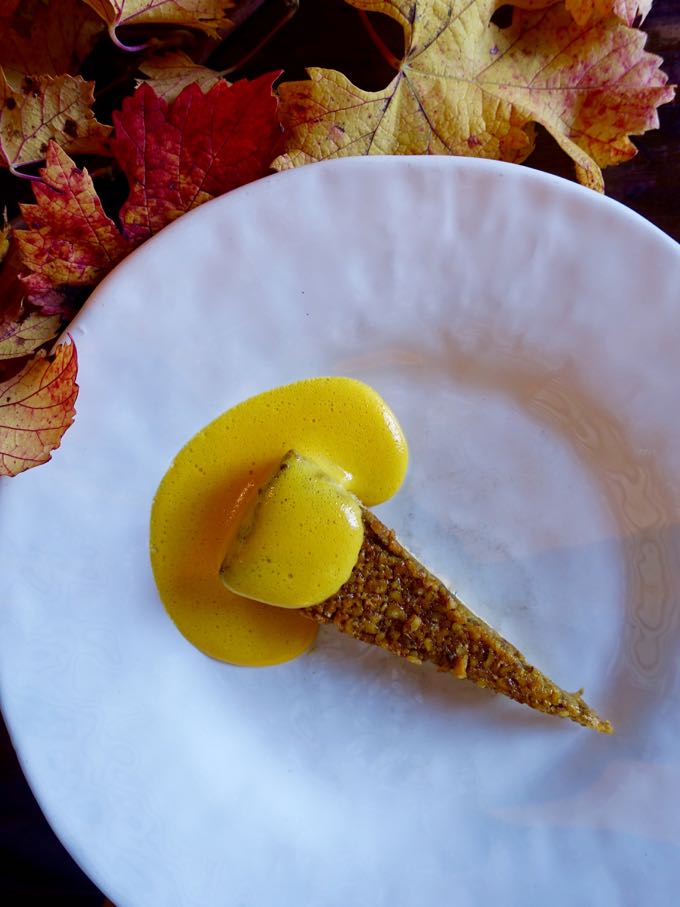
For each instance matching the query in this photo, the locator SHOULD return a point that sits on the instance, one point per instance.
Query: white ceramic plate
(526, 332)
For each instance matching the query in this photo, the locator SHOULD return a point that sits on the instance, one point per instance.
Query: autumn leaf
(24, 337)
(585, 11)
(4, 241)
(175, 157)
(47, 39)
(169, 75)
(64, 301)
(11, 290)
(44, 108)
(36, 408)
(206, 15)
(69, 240)
(178, 156)
(468, 87)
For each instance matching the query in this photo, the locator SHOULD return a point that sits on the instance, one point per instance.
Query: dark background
(34, 868)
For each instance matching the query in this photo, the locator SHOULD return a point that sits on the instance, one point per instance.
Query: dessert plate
(525, 331)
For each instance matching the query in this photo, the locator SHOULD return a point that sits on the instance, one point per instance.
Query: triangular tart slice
(392, 601)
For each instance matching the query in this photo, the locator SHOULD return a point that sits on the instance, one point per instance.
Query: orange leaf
(36, 408)
(206, 15)
(44, 108)
(70, 240)
(47, 39)
(24, 337)
(468, 87)
(169, 75)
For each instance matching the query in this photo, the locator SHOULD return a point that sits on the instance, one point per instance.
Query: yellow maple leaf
(207, 15)
(36, 408)
(24, 337)
(584, 10)
(170, 73)
(587, 10)
(467, 87)
(44, 108)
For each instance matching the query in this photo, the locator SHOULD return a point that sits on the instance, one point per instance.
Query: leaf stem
(24, 176)
(131, 49)
(383, 49)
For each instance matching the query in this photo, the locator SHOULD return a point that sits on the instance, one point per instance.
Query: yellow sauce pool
(337, 424)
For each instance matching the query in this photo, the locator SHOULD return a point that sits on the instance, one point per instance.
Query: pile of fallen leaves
(473, 77)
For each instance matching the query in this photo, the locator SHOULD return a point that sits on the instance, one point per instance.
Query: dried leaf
(206, 15)
(44, 108)
(64, 301)
(69, 240)
(585, 11)
(177, 157)
(36, 408)
(174, 156)
(5, 233)
(169, 75)
(468, 87)
(11, 289)
(47, 39)
(24, 337)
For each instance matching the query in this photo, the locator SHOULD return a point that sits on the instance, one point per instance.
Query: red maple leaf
(180, 155)
(175, 157)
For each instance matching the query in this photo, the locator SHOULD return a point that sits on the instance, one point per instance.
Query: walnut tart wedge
(392, 601)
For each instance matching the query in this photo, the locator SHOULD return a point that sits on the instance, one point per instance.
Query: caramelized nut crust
(392, 601)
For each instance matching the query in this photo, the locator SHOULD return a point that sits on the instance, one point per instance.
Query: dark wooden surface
(34, 868)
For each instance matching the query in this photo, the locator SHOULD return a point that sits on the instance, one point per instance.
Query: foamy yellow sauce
(301, 539)
(341, 425)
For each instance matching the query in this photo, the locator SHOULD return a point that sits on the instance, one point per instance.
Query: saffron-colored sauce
(227, 512)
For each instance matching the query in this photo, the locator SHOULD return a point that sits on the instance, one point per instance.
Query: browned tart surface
(392, 601)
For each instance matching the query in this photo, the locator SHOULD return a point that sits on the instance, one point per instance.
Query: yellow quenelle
(300, 540)
(228, 503)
